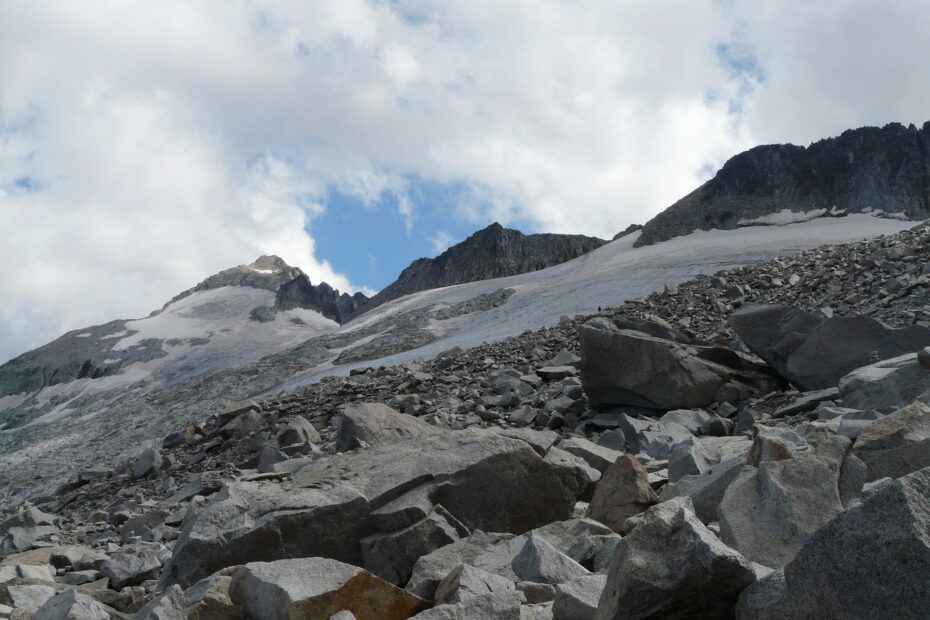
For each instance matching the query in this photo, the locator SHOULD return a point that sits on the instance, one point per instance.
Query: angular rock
(299, 430)
(494, 606)
(768, 513)
(391, 556)
(466, 581)
(706, 490)
(540, 562)
(890, 383)
(129, 569)
(71, 605)
(317, 588)
(208, 599)
(598, 457)
(871, 561)
(169, 605)
(431, 569)
(577, 599)
(672, 566)
(375, 424)
(623, 492)
(148, 463)
(814, 353)
(897, 444)
(623, 367)
(256, 521)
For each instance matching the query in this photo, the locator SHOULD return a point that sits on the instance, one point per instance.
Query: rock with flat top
(317, 588)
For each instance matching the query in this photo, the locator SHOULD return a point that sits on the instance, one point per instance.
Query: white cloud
(441, 242)
(173, 139)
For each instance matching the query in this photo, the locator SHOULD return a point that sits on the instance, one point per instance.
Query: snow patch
(783, 218)
(84, 335)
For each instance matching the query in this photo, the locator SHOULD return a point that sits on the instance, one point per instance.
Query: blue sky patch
(371, 244)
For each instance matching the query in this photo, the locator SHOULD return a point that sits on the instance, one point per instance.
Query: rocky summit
(747, 438)
(867, 170)
(748, 444)
(493, 252)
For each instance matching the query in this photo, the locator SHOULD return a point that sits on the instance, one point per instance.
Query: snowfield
(608, 276)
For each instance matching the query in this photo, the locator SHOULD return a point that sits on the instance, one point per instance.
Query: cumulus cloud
(146, 145)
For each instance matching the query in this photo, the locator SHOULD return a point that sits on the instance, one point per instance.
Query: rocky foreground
(753, 444)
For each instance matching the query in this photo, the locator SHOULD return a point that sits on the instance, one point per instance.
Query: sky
(147, 145)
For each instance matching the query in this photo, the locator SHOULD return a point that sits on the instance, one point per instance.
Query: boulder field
(752, 444)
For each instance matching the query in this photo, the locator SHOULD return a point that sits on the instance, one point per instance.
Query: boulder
(706, 489)
(484, 480)
(538, 561)
(147, 464)
(814, 353)
(577, 599)
(71, 605)
(598, 457)
(129, 569)
(169, 605)
(654, 437)
(236, 409)
(208, 599)
(430, 570)
(374, 424)
(623, 492)
(672, 566)
(299, 430)
(890, 383)
(623, 367)
(391, 556)
(769, 512)
(250, 521)
(871, 561)
(466, 581)
(896, 444)
(317, 588)
(494, 606)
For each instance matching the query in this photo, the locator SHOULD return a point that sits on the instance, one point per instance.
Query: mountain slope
(231, 317)
(868, 170)
(493, 252)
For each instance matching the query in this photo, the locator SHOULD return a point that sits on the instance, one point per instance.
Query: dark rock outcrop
(883, 169)
(301, 293)
(493, 252)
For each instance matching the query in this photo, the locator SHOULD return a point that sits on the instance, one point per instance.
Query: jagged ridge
(864, 170)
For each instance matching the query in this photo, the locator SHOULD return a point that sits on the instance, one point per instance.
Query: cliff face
(300, 293)
(864, 170)
(493, 252)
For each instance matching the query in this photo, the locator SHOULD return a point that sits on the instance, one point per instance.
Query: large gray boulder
(672, 566)
(769, 512)
(484, 480)
(317, 588)
(624, 367)
(624, 491)
(871, 561)
(374, 424)
(706, 489)
(577, 599)
(896, 444)
(431, 569)
(889, 383)
(391, 556)
(466, 581)
(71, 605)
(815, 353)
(254, 521)
(493, 606)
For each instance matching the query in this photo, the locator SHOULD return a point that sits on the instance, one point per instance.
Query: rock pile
(641, 463)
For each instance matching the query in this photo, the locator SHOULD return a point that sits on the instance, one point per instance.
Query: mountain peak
(492, 252)
(270, 262)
